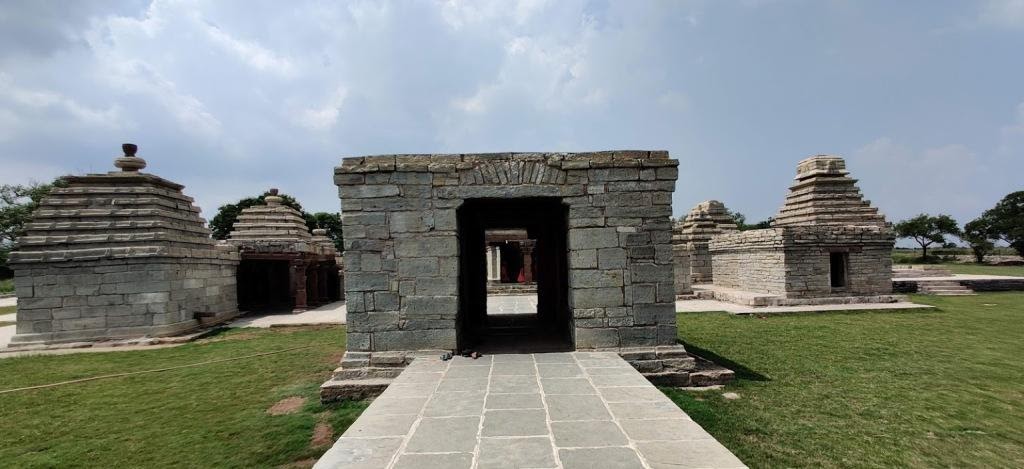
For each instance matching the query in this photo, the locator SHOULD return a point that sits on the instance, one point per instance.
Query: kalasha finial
(130, 163)
(272, 197)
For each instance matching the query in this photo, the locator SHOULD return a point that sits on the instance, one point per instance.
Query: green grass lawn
(208, 416)
(924, 388)
(1012, 270)
(8, 310)
(7, 285)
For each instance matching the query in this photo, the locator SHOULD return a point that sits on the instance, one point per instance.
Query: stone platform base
(755, 299)
(125, 335)
(977, 283)
(365, 374)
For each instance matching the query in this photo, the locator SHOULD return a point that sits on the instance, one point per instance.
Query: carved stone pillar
(298, 281)
(527, 247)
(489, 255)
(314, 286)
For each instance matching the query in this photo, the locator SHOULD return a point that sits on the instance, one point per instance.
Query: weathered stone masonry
(119, 255)
(402, 246)
(705, 220)
(824, 230)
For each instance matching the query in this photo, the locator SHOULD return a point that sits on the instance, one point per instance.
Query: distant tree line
(741, 222)
(1003, 222)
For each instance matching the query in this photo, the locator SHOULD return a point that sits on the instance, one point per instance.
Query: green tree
(978, 235)
(927, 230)
(17, 202)
(330, 222)
(224, 221)
(741, 222)
(1007, 220)
(739, 219)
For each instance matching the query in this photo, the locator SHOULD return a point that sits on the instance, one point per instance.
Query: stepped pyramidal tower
(272, 227)
(705, 220)
(825, 194)
(119, 255)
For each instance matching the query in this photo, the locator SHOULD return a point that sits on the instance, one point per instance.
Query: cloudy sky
(924, 98)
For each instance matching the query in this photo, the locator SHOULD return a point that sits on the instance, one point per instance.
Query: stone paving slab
(8, 301)
(512, 304)
(554, 410)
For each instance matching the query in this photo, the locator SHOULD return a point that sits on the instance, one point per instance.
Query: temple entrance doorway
(513, 277)
(263, 285)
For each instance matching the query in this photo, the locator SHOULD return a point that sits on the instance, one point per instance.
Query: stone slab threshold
(760, 300)
(701, 306)
(552, 410)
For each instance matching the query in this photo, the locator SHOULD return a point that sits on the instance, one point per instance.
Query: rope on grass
(130, 373)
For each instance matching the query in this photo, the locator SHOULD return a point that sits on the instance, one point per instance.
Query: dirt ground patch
(323, 435)
(288, 405)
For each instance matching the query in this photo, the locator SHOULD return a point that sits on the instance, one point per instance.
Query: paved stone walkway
(556, 410)
(512, 304)
(8, 301)
(331, 313)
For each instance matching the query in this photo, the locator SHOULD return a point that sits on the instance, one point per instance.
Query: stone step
(950, 293)
(337, 389)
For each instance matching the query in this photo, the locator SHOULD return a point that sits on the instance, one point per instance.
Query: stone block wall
(750, 260)
(701, 266)
(793, 261)
(681, 260)
(121, 299)
(402, 246)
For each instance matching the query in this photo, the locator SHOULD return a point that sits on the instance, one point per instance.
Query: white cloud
(22, 109)
(1003, 13)
(226, 97)
(251, 53)
(326, 116)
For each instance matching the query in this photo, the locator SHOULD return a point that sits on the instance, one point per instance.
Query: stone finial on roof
(273, 199)
(321, 239)
(824, 194)
(129, 163)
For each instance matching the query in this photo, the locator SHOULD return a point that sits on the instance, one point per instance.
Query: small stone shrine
(416, 266)
(706, 219)
(827, 242)
(283, 266)
(116, 256)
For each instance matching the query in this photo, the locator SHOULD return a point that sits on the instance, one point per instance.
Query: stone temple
(283, 266)
(119, 255)
(827, 244)
(706, 219)
(416, 269)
